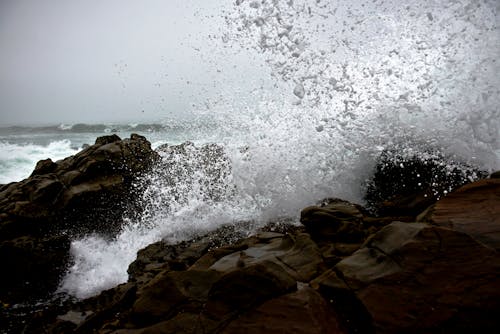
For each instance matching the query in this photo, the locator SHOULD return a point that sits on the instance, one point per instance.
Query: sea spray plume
(427, 66)
(186, 173)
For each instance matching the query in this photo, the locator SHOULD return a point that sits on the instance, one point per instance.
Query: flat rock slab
(473, 209)
(419, 278)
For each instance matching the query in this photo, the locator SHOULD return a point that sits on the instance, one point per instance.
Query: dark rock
(351, 313)
(408, 184)
(425, 279)
(32, 266)
(337, 221)
(495, 175)
(242, 289)
(473, 209)
(44, 167)
(170, 292)
(304, 311)
(86, 193)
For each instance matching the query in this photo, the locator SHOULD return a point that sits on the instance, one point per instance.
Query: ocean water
(352, 80)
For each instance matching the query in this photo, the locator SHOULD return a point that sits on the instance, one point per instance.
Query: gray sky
(115, 60)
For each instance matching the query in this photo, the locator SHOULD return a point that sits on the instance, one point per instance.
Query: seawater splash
(384, 68)
(354, 79)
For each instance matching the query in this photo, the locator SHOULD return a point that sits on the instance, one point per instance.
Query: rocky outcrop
(86, 193)
(473, 209)
(407, 182)
(425, 279)
(342, 271)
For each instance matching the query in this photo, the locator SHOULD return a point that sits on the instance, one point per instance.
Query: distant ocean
(21, 147)
(359, 78)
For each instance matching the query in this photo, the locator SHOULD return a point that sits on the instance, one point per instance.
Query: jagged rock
(408, 183)
(473, 209)
(88, 192)
(421, 278)
(336, 221)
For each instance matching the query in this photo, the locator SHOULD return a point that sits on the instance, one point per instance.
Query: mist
(116, 61)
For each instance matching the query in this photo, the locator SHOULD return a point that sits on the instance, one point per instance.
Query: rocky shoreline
(422, 264)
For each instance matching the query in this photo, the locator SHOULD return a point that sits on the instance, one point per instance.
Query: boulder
(85, 193)
(418, 278)
(473, 209)
(337, 220)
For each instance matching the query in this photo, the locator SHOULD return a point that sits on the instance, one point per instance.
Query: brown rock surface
(473, 209)
(417, 278)
(301, 312)
(86, 193)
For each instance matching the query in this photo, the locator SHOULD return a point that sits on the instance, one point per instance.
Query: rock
(350, 311)
(406, 184)
(337, 221)
(86, 193)
(32, 266)
(169, 292)
(296, 253)
(473, 209)
(421, 278)
(495, 175)
(242, 289)
(304, 311)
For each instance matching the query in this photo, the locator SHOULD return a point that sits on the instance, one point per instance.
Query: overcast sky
(115, 60)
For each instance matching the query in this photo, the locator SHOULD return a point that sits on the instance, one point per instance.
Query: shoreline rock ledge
(342, 271)
(84, 193)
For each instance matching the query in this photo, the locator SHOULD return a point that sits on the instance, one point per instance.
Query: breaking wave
(354, 79)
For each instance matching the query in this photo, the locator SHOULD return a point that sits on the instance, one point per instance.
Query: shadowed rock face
(86, 193)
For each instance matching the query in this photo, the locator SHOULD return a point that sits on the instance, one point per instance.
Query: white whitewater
(354, 78)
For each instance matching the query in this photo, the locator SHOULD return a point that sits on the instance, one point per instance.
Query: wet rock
(422, 278)
(304, 311)
(473, 209)
(86, 193)
(246, 287)
(350, 311)
(408, 183)
(336, 221)
(171, 292)
(296, 253)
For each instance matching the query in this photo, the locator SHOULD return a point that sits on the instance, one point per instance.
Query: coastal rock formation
(473, 209)
(86, 193)
(406, 183)
(342, 270)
